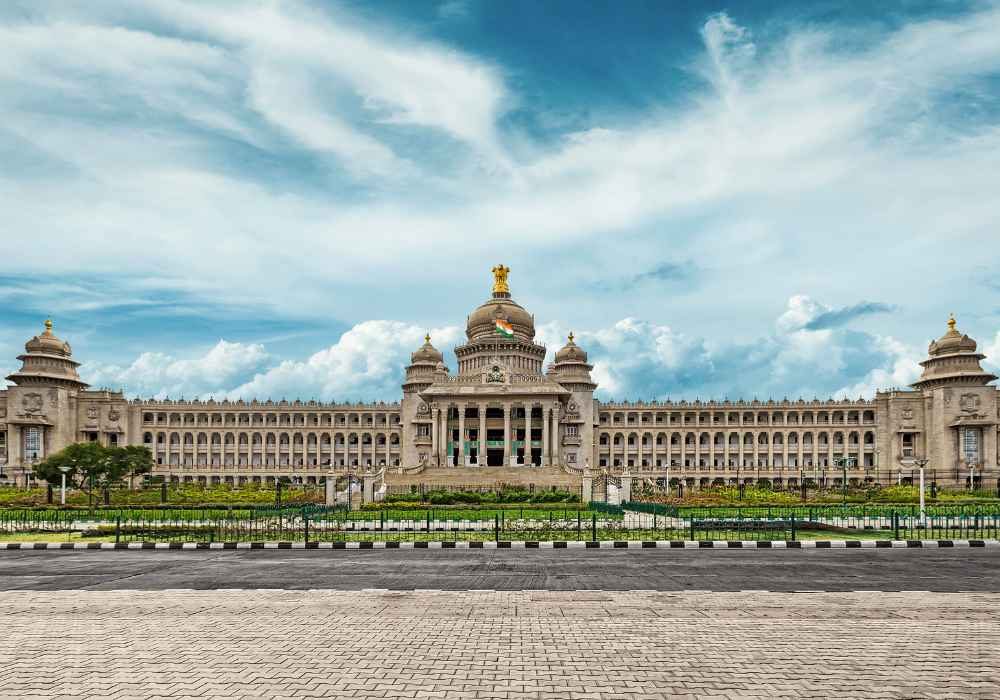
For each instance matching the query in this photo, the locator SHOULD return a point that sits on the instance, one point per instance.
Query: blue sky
(721, 199)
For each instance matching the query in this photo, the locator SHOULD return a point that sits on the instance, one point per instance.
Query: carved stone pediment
(969, 403)
(496, 372)
(32, 404)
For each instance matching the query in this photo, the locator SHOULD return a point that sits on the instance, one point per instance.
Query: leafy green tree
(93, 466)
(82, 458)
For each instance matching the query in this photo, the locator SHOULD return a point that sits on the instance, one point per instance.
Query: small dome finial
(951, 322)
(571, 336)
(427, 338)
(48, 326)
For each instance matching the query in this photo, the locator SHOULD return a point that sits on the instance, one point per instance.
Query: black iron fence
(321, 524)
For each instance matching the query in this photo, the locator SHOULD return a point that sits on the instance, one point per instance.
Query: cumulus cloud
(638, 359)
(992, 352)
(632, 358)
(366, 363)
(160, 376)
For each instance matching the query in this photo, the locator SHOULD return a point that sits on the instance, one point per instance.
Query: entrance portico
(511, 425)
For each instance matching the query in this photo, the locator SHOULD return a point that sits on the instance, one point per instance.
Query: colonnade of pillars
(448, 452)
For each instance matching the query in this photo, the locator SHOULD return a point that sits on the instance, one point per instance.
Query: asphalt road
(664, 570)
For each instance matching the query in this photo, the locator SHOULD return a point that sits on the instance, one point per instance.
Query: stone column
(587, 494)
(555, 436)
(482, 435)
(545, 436)
(443, 436)
(331, 489)
(434, 435)
(711, 450)
(461, 435)
(527, 433)
(770, 450)
(506, 434)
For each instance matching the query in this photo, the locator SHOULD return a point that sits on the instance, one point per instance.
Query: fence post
(593, 527)
(692, 527)
(579, 533)
(793, 526)
(118, 528)
(163, 491)
(895, 525)
(305, 523)
(496, 527)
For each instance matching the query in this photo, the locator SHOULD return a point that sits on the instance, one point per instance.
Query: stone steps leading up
(541, 477)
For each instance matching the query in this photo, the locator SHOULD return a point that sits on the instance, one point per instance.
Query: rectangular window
(970, 445)
(572, 430)
(3, 439)
(33, 443)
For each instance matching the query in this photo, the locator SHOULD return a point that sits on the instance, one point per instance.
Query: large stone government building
(504, 416)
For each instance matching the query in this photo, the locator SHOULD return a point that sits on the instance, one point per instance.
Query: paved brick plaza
(489, 644)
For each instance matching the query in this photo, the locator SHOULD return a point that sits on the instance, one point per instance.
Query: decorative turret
(571, 368)
(423, 365)
(953, 361)
(48, 361)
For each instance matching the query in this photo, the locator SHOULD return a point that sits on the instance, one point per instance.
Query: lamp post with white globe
(62, 492)
(921, 462)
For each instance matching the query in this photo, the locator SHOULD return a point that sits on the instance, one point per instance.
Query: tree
(82, 458)
(92, 465)
(138, 461)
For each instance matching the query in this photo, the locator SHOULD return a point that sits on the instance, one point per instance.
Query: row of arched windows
(311, 440)
(704, 441)
(368, 420)
(839, 417)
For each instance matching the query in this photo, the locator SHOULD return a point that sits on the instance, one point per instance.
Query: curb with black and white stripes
(620, 544)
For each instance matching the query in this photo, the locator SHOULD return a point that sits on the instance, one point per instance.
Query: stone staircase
(541, 477)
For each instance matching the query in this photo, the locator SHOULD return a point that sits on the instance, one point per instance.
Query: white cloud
(632, 358)
(159, 375)
(992, 352)
(366, 363)
(802, 163)
(637, 359)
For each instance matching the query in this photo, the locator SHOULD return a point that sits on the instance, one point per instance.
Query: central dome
(501, 315)
(482, 322)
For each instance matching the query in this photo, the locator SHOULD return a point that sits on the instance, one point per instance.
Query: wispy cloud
(842, 316)
(301, 158)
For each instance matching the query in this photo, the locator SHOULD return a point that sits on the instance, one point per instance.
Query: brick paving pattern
(486, 644)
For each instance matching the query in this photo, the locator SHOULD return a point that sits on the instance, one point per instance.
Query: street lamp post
(844, 463)
(62, 491)
(921, 462)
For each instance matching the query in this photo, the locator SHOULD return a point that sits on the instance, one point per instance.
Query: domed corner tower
(571, 370)
(42, 404)
(426, 364)
(500, 329)
(959, 404)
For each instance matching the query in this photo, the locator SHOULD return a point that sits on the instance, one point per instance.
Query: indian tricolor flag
(504, 328)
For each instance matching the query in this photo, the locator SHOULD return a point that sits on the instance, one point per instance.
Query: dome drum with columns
(503, 417)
